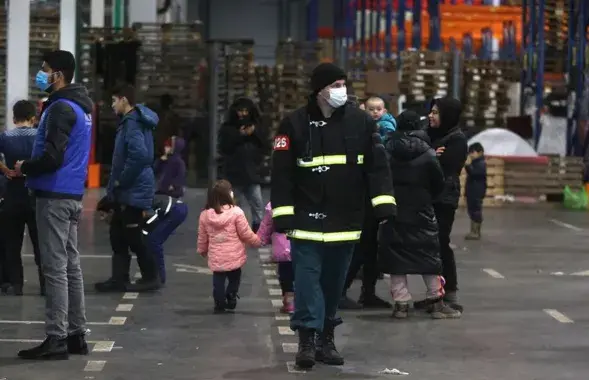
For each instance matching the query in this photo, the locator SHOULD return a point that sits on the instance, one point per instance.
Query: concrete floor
(526, 315)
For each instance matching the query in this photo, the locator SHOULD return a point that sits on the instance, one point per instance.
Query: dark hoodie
(410, 244)
(170, 172)
(242, 154)
(60, 121)
(450, 136)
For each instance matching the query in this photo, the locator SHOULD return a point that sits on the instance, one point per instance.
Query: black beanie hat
(408, 121)
(324, 75)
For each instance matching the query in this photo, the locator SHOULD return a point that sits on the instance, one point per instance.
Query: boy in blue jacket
(385, 122)
(475, 188)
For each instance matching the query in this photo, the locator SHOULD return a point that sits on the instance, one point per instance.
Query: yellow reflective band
(383, 200)
(338, 159)
(325, 237)
(282, 211)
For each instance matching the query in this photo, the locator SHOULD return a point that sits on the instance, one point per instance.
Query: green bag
(575, 200)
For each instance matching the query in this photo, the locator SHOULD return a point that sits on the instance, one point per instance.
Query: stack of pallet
(295, 61)
(425, 75)
(267, 89)
(44, 37)
(556, 24)
(486, 85)
(358, 69)
(169, 63)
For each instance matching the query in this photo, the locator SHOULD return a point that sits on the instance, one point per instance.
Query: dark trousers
(162, 231)
(445, 216)
(365, 257)
(474, 207)
(286, 276)
(320, 273)
(225, 283)
(126, 233)
(17, 214)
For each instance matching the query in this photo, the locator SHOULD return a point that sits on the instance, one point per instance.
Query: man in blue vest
(56, 175)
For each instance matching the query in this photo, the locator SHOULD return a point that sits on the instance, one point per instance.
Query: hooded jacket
(223, 237)
(59, 162)
(410, 244)
(386, 126)
(132, 180)
(242, 154)
(450, 136)
(170, 172)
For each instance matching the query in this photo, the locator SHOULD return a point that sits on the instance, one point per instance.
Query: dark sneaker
(305, 358)
(346, 303)
(111, 286)
(231, 301)
(440, 310)
(373, 302)
(52, 348)
(401, 310)
(77, 345)
(325, 350)
(142, 285)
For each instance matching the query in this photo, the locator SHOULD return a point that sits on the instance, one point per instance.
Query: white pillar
(97, 13)
(142, 11)
(68, 26)
(17, 55)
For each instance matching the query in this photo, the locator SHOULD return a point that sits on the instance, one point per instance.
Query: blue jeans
(162, 231)
(252, 194)
(320, 273)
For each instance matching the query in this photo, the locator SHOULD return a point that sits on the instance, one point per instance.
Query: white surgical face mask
(337, 97)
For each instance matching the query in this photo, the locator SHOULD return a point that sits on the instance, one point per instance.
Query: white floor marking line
(276, 303)
(290, 348)
(582, 273)
(269, 272)
(493, 273)
(280, 317)
(124, 307)
(558, 316)
(103, 346)
(274, 291)
(268, 265)
(264, 250)
(130, 296)
(117, 321)
(292, 368)
(94, 365)
(285, 330)
(272, 281)
(565, 225)
(264, 257)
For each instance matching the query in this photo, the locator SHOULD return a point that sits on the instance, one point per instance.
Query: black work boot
(305, 358)
(369, 300)
(77, 345)
(325, 351)
(52, 348)
(424, 304)
(120, 276)
(144, 285)
(346, 303)
(440, 310)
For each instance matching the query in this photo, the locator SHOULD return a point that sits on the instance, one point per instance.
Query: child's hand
(468, 160)
(203, 254)
(440, 150)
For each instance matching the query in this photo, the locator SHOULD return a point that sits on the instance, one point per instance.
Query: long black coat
(409, 245)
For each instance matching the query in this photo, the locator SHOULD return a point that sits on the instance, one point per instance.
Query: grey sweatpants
(57, 224)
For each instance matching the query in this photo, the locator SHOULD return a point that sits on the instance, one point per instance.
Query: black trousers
(18, 212)
(221, 289)
(474, 207)
(445, 216)
(126, 233)
(366, 257)
(286, 276)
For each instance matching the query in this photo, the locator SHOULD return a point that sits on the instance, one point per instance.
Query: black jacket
(410, 244)
(450, 136)
(60, 121)
(322, 172)
(475, 187)
(242, 154)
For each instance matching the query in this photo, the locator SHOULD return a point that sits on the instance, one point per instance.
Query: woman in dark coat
(410, 244)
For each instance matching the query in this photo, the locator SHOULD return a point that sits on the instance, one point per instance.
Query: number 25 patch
(281, 142)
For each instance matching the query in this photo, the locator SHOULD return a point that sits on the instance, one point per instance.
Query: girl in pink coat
(280, 255)
(223, 233)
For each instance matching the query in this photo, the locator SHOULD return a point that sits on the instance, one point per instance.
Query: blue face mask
(42, 80)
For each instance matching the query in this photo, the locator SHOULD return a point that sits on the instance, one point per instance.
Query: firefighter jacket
(322, 171)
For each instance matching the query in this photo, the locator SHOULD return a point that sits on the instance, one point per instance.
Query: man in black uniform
(324, 163)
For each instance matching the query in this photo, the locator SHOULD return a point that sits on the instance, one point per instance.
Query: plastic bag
(575, 200)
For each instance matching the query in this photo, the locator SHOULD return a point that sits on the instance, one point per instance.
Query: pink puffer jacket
(280, 244)
(223, 237)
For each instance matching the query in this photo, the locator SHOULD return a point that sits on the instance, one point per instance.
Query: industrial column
(68, 25)
(142, 11)
(97, 13)
(17, 55)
